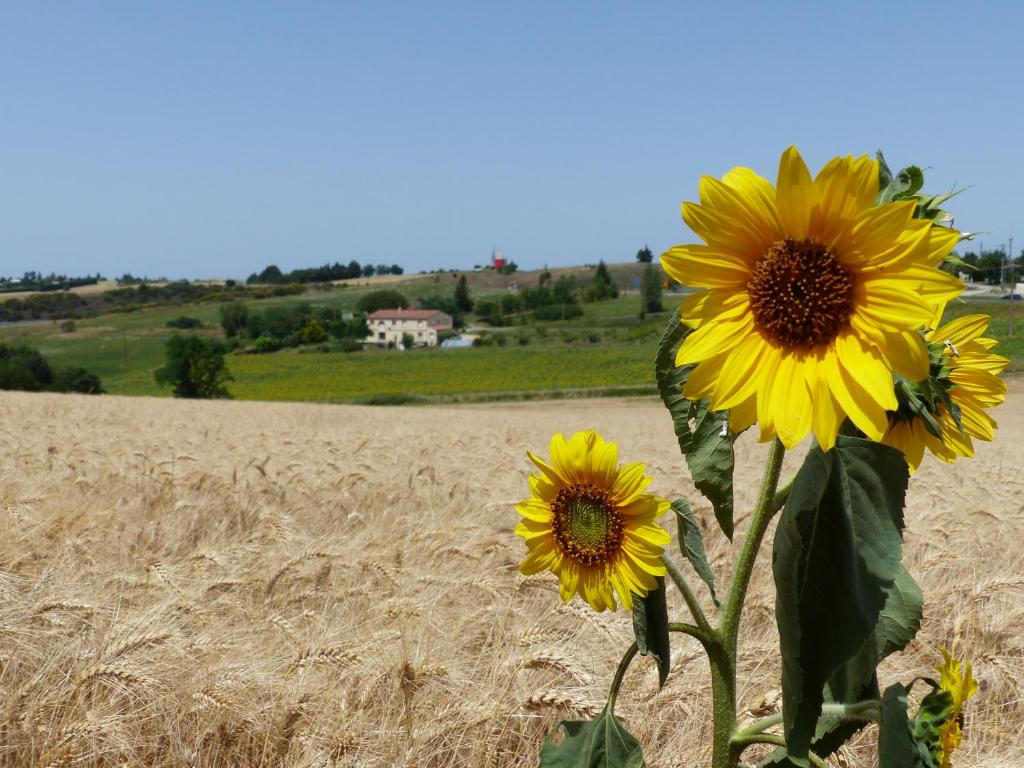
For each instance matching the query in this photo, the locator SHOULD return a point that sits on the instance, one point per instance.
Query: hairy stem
(691, 599)
(862, 710)
(725, 753)
(695, 632)
(619, 674)
(769, 738)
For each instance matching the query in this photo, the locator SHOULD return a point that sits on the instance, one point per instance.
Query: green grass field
(607, 350)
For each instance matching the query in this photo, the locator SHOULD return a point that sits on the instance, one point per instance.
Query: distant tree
(544, 281)
(408, 342)
(396, 270)
(602, 287)
(463, 301)
(353, 270)
(195, 367)
(387, 298)
(312, 333)
(509, 268)
(356, 328)
(650, 291)
(565, 290)
(368, 270)
(233, 318)
(271, 274)
(644, 255)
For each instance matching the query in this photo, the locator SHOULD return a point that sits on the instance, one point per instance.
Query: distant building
(388, 326)
(497, 260)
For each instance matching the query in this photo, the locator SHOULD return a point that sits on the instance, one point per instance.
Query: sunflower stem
(726, 752)
(613, 692)
(691, 599)
(770, 738)
(862, 710)
(695, 632)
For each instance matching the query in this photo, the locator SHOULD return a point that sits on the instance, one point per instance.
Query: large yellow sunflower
(958, 681)
(812, 297)
(964, 369)
(589, 522)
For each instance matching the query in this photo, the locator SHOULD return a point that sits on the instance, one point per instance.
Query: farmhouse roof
(406, 314)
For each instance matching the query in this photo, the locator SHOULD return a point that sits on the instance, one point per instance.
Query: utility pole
(1013, 292)
(1002, 269)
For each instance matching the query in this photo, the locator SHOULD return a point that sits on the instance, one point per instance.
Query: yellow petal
(794, 195)
(790, 401)
(865, 365)
(861, 407)
(703, 267)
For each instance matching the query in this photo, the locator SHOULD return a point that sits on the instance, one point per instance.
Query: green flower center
(801, 295)
(586, 525)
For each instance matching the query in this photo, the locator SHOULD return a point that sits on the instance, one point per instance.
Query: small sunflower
(959, 683)
(945, 411)
(590, 523)
(813, 295)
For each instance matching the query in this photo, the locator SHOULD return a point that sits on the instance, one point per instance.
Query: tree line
(324, 274)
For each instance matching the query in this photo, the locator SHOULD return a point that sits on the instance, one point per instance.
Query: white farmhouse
(389, 325)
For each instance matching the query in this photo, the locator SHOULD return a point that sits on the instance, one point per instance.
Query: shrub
(184, 323)
(408, 341)
(195, 367)
(523, 340)
(350, 345)
(24, 368)
(77, 380)
(558, 312)
(265, 344)
(312, 333)
(68, 326)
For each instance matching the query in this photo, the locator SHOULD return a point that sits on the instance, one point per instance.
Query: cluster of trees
(36, 281)
(324, 274)
(644, 255)
(64, 306)
(24, 368)
(993, 266)
(282, 326)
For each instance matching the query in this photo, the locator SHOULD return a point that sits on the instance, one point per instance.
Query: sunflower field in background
(818, 313)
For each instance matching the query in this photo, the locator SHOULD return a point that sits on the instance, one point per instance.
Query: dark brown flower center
(800, 294)
(586, 525)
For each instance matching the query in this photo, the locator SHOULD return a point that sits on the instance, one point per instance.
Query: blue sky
(211, 139)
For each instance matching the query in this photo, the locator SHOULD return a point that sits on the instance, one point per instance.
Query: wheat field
(243, 584)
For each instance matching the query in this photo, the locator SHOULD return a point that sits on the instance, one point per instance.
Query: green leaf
(856, 680)
(884, 172)
(597, 743)
(896, 745)
(901, 617)
(691, 543)
(707, 446)
(650, 625)
(836, 554)
(903, 186)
